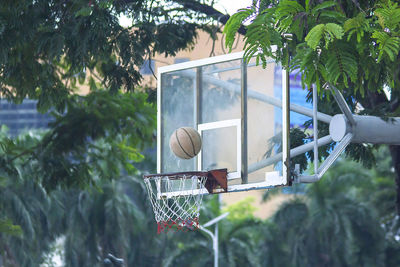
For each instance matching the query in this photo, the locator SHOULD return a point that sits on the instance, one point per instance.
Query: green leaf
(306, 61)
(286, 8)
(329, 15)
(260, 36)
(323, 6)
(92, 84)
(357, 25)
(242, 210)
(81, 77)
(290, 16)
(389, 16)
(387, 45)
(233, 25)
(84, 12)
(333, 31)
(314, 37)
(3, 181)
(7, 227)
(330, 32)
(307, 5)
(341, 63)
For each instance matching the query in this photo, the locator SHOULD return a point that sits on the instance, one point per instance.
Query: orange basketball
(185, 142)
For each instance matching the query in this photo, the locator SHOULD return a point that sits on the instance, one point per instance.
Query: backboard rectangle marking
(223, 124)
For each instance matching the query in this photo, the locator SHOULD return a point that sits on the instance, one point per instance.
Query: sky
(231, 6)
(224, 6)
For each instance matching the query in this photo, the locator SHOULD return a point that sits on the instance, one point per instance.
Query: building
(22, 117)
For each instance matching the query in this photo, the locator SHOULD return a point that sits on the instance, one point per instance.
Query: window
(181, 60)
(147, 67)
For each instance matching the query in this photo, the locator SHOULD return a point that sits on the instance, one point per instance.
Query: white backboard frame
(272, 179)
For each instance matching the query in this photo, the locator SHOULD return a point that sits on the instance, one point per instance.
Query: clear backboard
(241, 113)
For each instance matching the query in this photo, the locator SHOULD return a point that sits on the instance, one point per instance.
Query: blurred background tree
(345, 219)
(50, 50)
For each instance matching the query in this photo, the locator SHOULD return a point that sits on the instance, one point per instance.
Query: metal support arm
(328, 162)
(346, 128)
(341, 103)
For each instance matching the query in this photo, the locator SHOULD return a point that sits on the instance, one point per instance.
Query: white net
(176, 200)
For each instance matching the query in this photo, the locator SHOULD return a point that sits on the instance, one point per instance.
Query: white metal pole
(215, 239)
(315, 125)
(328, 162)
(214, 236)
(215, 246)
(293, 153)
(342, 104)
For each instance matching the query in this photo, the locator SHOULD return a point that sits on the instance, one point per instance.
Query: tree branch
(209, 11)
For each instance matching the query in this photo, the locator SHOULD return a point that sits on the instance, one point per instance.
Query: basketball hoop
(176, 198)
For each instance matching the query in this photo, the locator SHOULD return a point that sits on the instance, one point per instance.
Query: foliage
(26, 204)
(70, 154)
(7, 227)
(242, 210)
(98, 137)
(50, 49)
(339, 221)
(108, 220)
(115, 221)
(353, 45)
(349, 44)
(69, 41)
(352, 202)
(331, 40)
(237, 241)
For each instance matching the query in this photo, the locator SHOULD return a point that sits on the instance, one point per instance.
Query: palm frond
(388, 45)
(233, 24)
(341, 63)
(328, 32)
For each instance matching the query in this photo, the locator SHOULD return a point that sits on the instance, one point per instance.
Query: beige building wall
(204, 47)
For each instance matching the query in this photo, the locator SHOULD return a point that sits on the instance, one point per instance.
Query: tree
(25, 203)
(111, 218)
(238, 238)
(353, 45)
(47, 46)
(116, 220)
(47, 49)
(339, 221)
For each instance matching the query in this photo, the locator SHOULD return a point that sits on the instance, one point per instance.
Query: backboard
(241, 112)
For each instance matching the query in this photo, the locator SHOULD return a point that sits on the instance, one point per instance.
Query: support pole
(315, 125)
(214, 236)
(215, 246)
(367, 129)
(328, 162)
(293, 153)
(286, 125)
(342, 104)
(244, 120)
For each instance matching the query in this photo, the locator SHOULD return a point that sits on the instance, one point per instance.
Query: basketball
(185, 142)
